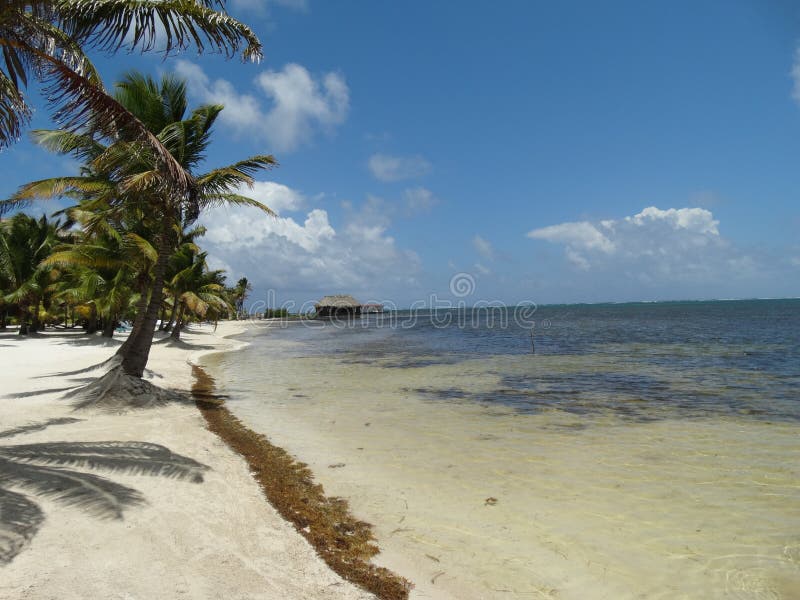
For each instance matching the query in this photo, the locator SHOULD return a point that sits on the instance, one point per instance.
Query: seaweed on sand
(343, 542)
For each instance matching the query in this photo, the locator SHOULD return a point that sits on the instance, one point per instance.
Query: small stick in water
(533, 345)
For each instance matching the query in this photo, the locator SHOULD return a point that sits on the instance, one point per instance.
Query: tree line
(127, 247)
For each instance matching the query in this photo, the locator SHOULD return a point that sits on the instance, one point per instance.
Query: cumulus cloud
(298, 105)
(308, 257)
(483, 247)
(672, 253)
(396, 168)
(668, 237)
(276, 196)
(581, 235)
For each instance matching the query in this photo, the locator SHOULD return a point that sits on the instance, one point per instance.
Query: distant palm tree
(49, 470)
(239, 294)
(186, 248)
(196, 290)
(25, 243)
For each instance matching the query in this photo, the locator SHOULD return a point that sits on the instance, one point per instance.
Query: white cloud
(653, 245)
(483, 247)
(419, 200)
(396, 168)
(691, 219)
(276, 196)
(299, 106)
(312, 257)
(483, 270)
(672, 253)
(796, 76)
(581, 235)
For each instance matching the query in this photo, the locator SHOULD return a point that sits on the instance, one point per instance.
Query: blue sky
(547, 152)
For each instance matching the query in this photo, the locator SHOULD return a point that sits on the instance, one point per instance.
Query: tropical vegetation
(124, 250)
(132, 251)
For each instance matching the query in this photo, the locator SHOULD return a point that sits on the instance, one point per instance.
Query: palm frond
(59, 186)
(144, 247)
(215, 200)
(14, 111)
(229, 178)
(83, 146)
(80, 100)
(110, 24)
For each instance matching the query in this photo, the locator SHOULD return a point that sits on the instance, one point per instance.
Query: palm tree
(186, 249)
(126, 178)
(196, 290)
(26, 243)
(239, 295)
(46, 39)
(6, 275)
(108, 259)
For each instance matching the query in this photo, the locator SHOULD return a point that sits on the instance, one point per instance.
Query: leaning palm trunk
(169, 326)
(141, 309)
(134, 359)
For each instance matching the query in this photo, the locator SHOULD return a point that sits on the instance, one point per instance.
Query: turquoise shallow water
(643, 451)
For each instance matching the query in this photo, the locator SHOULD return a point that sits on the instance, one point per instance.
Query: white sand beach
(215, 539)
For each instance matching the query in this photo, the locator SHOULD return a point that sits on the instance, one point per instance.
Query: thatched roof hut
(338, 305)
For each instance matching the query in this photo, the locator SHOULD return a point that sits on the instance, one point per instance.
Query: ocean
(644, 450)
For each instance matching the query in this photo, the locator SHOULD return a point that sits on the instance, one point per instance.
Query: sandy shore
(215, 539)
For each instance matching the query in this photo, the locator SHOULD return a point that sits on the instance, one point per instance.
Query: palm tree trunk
(176, 330)
(92, 325)
(111, 322)
(23, 320)
(35, 324)
(134, 360)
(171, 323)
(141, 310)
(163, 317)
(4, 318)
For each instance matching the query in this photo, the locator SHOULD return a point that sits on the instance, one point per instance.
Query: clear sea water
(643, 450)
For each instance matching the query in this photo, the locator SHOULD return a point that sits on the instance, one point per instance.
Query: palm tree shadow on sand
(49, 470)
